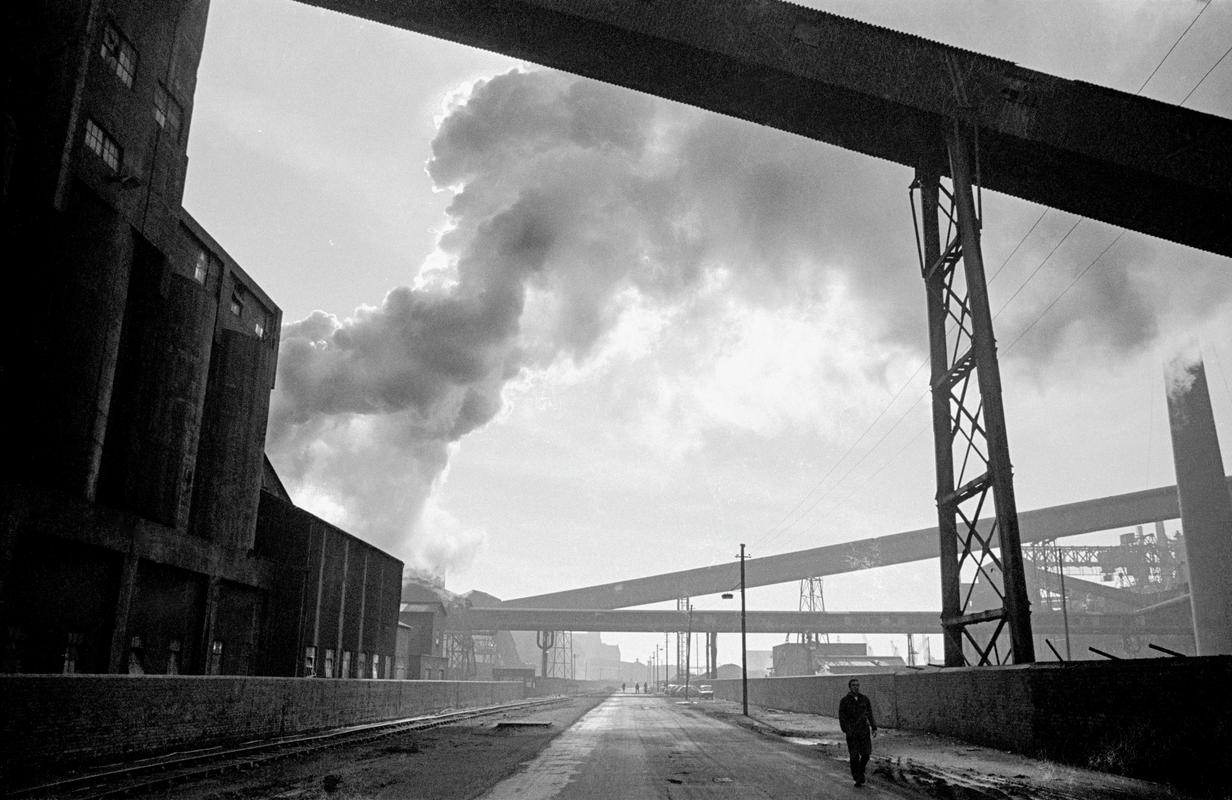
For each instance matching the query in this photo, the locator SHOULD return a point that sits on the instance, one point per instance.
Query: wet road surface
(634, 746)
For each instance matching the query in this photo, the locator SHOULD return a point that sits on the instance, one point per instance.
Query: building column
(1206, 507)
(117, 663)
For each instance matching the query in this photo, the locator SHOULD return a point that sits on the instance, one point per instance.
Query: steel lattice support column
(971, 448)
(682, 639)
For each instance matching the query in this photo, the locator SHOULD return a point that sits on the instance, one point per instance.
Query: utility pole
(744, 646)
(1064, 604)
(688, 652)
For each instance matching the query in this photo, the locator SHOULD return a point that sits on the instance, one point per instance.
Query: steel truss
(460, 655)
(682, 640)
(969, 437)
(812, 599)
(557, 653)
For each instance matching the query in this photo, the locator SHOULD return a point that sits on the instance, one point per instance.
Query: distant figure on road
(855, 717)
(637, 688)
(622, 686)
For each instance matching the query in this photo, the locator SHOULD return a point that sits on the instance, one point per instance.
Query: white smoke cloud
(585, 215)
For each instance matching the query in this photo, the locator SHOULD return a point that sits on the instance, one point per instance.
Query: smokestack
(1206, 507)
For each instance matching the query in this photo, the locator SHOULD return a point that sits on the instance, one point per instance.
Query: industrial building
(830, 658)
(141, 529)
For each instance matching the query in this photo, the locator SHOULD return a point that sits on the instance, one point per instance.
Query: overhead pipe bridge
(1109, 155)
(1043, 524)
(852, 622)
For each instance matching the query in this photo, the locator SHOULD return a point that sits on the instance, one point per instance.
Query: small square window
(237, 304)
(102, 145)
(259, 330)
(168, 113)
(119, 54)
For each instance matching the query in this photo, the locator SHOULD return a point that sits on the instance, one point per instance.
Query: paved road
(634, 746)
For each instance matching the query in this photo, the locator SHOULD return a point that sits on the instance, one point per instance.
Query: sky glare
(541, 332)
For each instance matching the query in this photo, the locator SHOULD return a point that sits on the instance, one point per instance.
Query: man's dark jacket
(855, 714)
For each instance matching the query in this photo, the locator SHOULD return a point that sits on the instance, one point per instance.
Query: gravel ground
(454, 762)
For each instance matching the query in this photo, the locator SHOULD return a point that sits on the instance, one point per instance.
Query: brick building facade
(137, 375)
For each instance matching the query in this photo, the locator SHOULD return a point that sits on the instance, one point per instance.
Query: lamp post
(744, 646)
(688, 652)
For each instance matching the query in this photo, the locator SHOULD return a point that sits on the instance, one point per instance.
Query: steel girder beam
(971, 448)
(1048, 578)
(1041, 524)
(852, 622)
(1100, 153)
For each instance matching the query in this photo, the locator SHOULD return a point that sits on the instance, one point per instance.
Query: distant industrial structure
(830, 658)
(141, 529)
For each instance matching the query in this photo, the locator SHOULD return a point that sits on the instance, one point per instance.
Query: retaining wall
(48, 722)
(1163, 719)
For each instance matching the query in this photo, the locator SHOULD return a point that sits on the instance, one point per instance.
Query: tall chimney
(1206, 507)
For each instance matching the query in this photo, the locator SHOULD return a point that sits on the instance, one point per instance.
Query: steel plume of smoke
(569, 195)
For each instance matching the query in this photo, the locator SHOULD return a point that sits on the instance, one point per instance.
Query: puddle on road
(800, 740)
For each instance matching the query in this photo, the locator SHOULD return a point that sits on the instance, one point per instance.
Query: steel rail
(120, 781)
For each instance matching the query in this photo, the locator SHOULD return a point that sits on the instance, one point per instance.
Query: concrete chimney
(1206, 507)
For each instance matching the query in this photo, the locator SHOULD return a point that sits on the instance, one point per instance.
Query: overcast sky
(540, 332)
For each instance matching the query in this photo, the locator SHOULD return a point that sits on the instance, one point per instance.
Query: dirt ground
(455, 762)
(462, 761)
(949, 768)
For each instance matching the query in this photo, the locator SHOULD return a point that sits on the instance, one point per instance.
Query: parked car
(705, 692)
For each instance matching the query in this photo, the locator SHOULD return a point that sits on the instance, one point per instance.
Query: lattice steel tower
(970, 445)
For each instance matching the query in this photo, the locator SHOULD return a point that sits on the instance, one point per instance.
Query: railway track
(156, 774)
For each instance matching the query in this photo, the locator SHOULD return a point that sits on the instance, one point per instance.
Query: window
(119, 54)
(346, 663)
(376, 665)
(173, 657)
(102, 145)
(168, 113)
(259, 329)
(237, 304)
(71, 647)
(363, 658)
(136, 656)
(215, 665)
(310, 660)
(329, 663)
(201, 269)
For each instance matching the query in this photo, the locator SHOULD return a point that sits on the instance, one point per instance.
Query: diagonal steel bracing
(970, 444)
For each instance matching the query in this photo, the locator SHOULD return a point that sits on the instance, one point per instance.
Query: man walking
(855, 717)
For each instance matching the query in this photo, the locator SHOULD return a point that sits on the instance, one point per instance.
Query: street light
(744, 646)
(688, 653)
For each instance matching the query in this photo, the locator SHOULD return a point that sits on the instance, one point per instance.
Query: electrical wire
(1192, 22)
(1064, 292)
(772, 532)
(1207, 75)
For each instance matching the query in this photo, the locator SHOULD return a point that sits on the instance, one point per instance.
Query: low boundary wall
(48, 722)
(1162, 719)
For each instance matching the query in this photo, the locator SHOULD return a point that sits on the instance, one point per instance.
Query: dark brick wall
(1163, 719)
(48, 723)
